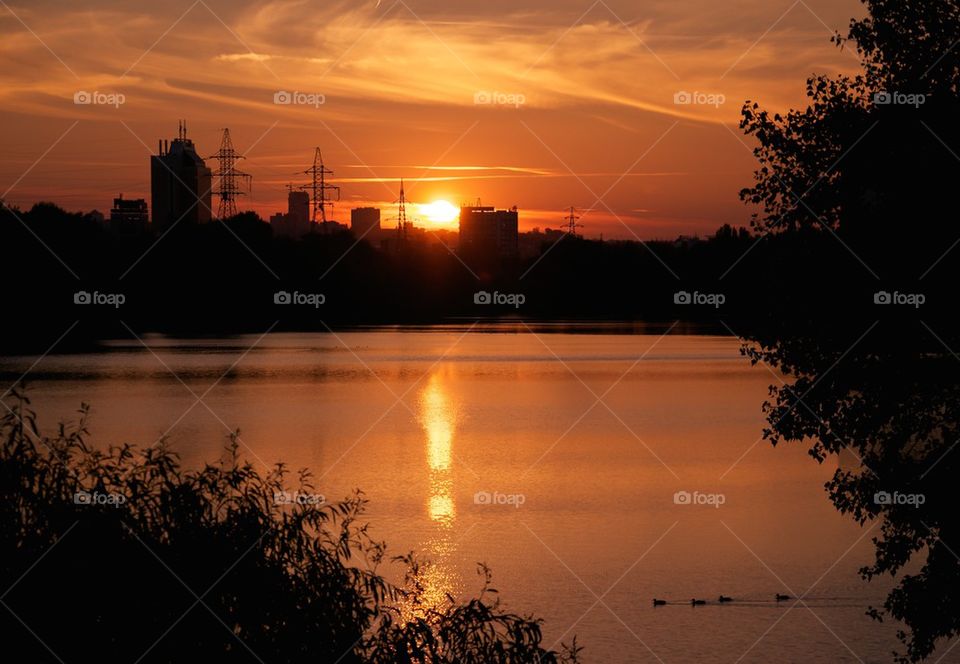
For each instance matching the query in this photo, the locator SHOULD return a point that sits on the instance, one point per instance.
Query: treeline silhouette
(224, 277)
(121, 555)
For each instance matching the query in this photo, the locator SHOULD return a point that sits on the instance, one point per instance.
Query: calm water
(423, 421)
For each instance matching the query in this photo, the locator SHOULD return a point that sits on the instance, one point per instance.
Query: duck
(697, 602)
(659, 602)
(782, 598)
(724, 598)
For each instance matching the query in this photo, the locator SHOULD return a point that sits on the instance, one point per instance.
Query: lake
(591, 471)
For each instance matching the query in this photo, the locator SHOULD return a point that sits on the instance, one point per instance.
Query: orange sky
(581, 99)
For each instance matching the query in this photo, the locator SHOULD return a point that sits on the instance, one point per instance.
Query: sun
(439, 212)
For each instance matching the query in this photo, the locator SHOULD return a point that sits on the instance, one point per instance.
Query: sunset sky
(582, 99)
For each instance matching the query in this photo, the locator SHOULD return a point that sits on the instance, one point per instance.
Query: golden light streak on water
(437, 413)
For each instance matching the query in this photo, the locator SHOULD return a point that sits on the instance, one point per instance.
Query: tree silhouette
(866, 177)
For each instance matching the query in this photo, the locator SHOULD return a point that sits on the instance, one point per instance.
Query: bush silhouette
(123, 555)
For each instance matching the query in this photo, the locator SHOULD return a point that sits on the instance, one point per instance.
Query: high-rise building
(296, 222)
(365, 222)
(128, 214)
(486, 232)
(180, 183)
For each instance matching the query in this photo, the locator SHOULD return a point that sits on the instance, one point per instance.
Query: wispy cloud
(401, 82)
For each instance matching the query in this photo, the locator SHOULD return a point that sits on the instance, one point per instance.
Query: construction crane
(231, 180)
(318, 187)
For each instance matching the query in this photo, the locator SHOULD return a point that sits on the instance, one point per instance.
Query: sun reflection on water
(437, 413)
(438, 418)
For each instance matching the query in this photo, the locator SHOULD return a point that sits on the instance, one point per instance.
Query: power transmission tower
(318, 187)
(570, 223)
(402, 225)
(230, 178)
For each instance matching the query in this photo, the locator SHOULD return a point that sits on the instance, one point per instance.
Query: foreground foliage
(124, 555)
(865, 330)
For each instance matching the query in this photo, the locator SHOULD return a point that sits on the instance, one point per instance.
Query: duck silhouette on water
(782, 598)
(723, 599)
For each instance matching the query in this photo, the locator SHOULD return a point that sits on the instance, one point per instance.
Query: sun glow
(439, 212)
